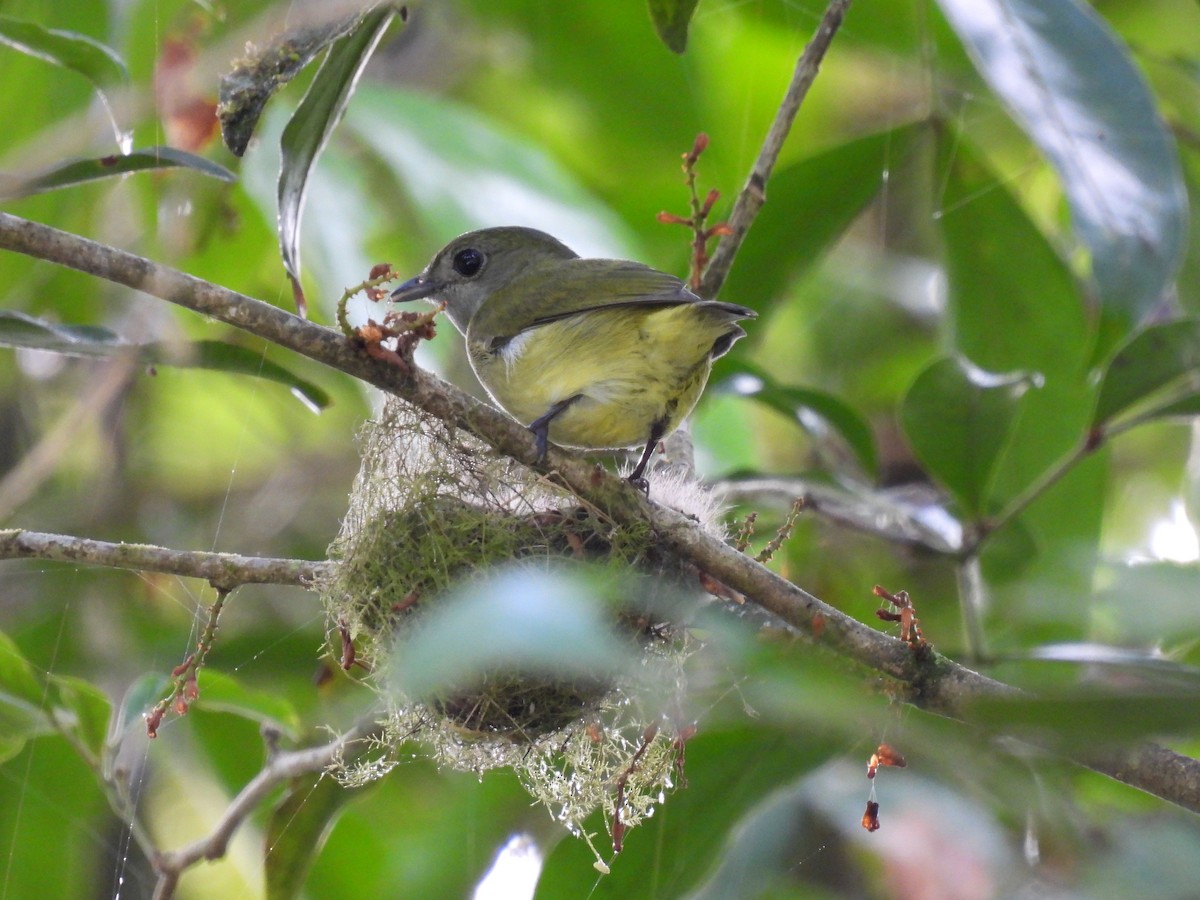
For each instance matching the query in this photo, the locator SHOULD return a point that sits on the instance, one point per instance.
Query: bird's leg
(541, 425)
(636, 476)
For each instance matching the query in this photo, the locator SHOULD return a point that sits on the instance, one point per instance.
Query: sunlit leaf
(1161, 363)
(297, 829)
(1073, 87)
(799, 404)
(79, 171)
(224, 693)
(20, 330)
(957, 418)
(80, 53)
(671, 19)
(314, 120)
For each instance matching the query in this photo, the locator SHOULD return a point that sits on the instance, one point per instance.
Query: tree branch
(939, 684)
(224, 571)
(754, 192)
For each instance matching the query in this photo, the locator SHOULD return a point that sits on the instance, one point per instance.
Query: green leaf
(1079, 717)
(91, 59)
(90, 707)
(812, 203)
(79, 171)
(671, 19)
(797, 403)
(314, 120)
(1072, 86)
(245, 89)
(297, 829)
(957, 418)
(20, 330)
(224, 693)
(21, 700)
(1159, 364)
(484, 173)
(17, 678)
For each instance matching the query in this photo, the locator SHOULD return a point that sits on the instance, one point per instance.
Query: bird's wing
(570, 289)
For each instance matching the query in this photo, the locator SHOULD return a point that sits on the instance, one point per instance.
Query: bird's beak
(415, 289)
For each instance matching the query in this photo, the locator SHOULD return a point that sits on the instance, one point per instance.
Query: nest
(431, 507)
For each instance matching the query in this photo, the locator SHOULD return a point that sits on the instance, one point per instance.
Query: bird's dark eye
(468, 262)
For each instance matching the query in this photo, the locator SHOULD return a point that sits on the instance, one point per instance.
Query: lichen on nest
(431, 507)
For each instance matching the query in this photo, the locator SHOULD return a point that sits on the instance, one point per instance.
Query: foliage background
(909, 217)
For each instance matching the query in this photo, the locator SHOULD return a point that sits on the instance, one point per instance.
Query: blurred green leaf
(811, 204)
(1162, 358)
(799, 403)
(297, 829)
(17, 678)
(314, 120)
(90, 707)
(957, 418)
(139, 698)
(524, 618)
(79, 171)
(20, 330)
(463, 172)
(1082, 717)
(224, 693)
(1072, 86)
(99, 64)
(671, 20)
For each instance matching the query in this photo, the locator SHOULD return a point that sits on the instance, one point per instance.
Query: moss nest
(432, 507)
(402, 561)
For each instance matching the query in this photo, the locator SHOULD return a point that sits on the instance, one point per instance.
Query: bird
(595, 354)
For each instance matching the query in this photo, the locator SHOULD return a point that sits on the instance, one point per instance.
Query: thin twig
(279, 768)
(754, 193)
(223, 571)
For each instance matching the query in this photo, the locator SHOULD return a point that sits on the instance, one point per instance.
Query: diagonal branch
(754, 193)
(939, 685)
(280, 767)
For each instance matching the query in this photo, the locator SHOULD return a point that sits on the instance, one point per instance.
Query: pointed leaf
(314, 120)
(799, 403)
(957, 418)
(245, 89)
(90, 708)
(1074, 89)
(78, 171)
(297, 830)
(671, 20)
(20, 330)
(91, 59)
(1163, 361)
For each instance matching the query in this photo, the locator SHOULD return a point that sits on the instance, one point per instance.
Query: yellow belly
(629, 368)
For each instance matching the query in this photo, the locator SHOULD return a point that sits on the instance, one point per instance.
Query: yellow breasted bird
(589, 353)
